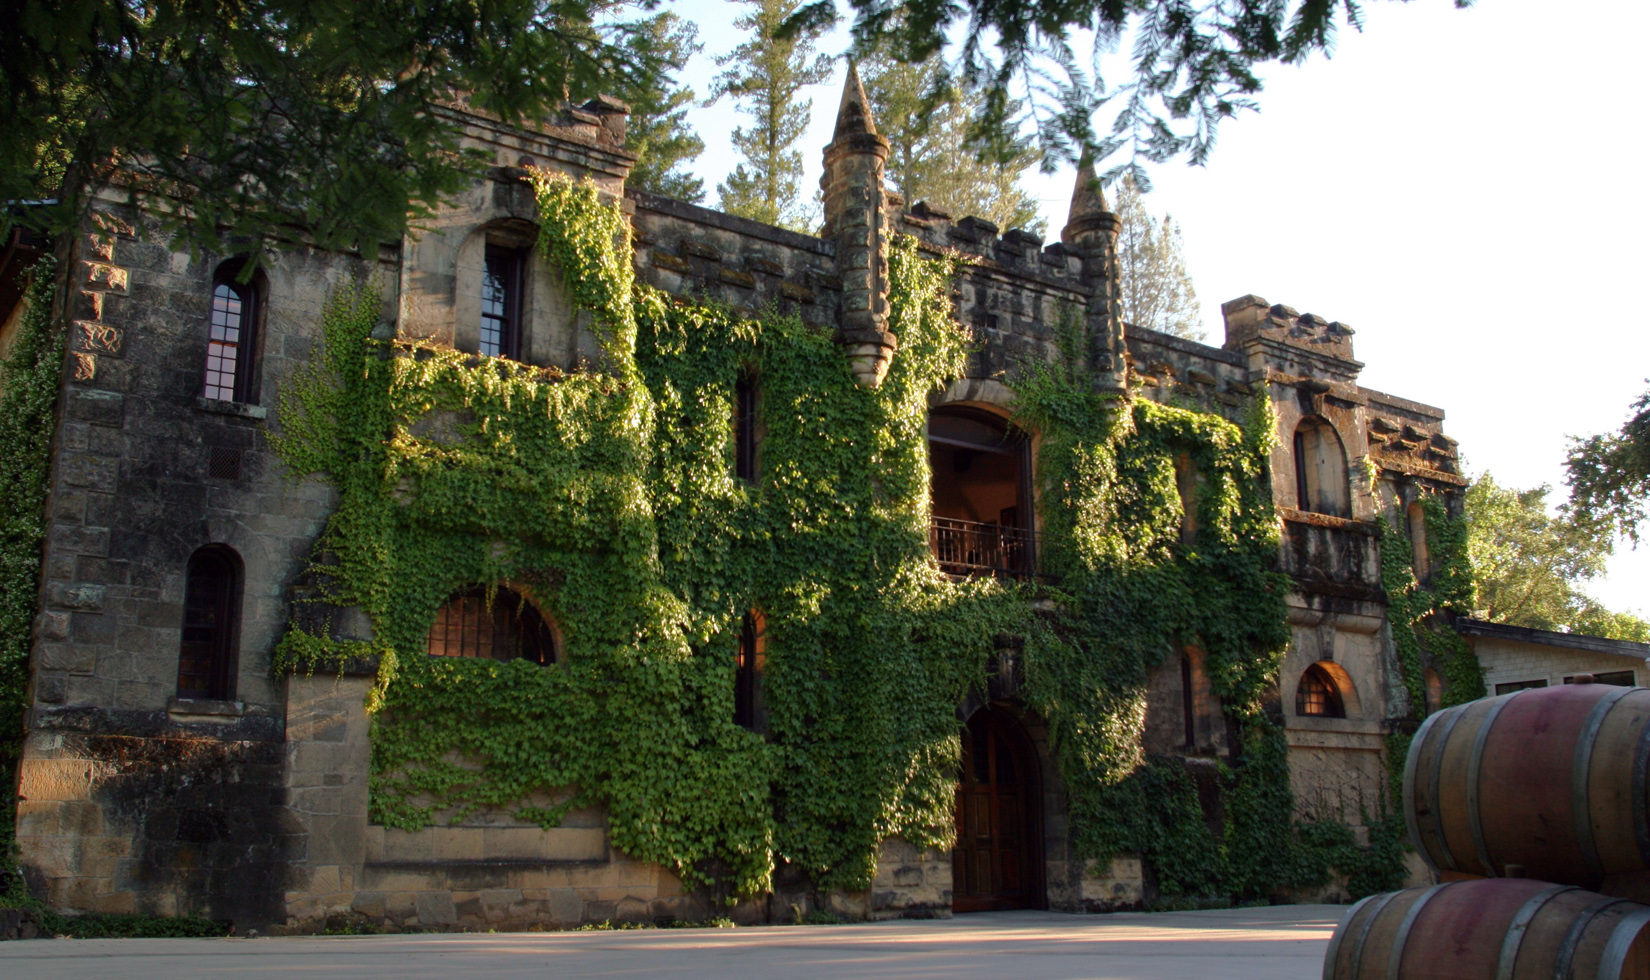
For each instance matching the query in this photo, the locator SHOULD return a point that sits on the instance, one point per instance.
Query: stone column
(1092, 229)
(854, 221)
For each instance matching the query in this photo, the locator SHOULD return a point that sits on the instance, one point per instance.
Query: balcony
(972, 548)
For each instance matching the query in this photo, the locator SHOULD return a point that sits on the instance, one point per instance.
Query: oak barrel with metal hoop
(1491, 929)
(1548, 781)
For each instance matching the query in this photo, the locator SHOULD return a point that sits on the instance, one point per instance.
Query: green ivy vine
(30, 377)
(607, 497)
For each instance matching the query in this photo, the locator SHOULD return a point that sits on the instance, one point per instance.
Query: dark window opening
(1318, 695)
(1516, 686)
(504, 627)
(1320, 470)
(501, 303)
(211, 601)
(749, 705)
(1615, 678)
(980, 492)
(232, 328)
(1188, 701)
(744, 430)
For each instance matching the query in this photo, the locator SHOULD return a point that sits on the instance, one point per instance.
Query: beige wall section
(1511, 662)
(1336, 767)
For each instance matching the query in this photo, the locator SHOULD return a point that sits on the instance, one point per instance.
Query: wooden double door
(998, 861)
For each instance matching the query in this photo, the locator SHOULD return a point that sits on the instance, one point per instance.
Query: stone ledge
(205, 707)
(243, 410)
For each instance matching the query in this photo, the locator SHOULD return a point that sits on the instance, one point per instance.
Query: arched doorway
(998, 860)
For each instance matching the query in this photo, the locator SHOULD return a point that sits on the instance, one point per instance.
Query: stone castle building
(168, 769)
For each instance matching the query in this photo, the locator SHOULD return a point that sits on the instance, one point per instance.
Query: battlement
(1015, 250)
(1248, 317)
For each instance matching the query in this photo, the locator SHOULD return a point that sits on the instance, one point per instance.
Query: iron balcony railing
(973, 548)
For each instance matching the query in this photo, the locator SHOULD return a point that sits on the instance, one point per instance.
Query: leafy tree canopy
(765, 76)
(1609, 475)
(1157, 289)
(271, 114)
(1193, 64)
(927, 120)
(1529, 564)
(659, 133)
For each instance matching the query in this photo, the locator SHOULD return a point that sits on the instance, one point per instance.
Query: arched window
(1319, 695)
(232, 336)
(502, 626)
(1185, 478)
(501, 302)
(980, 494)
(1320, 469)
(1435, 690)
(1417, 517)
(211, 620)
(750, 709)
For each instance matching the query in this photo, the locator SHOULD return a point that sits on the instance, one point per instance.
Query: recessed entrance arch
(998, 861)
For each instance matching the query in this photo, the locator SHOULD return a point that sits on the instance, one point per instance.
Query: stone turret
(1091, 230)
(855, 222)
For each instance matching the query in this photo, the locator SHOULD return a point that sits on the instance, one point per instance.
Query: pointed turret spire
(854, 222)
(1088, 205)
(853, 113)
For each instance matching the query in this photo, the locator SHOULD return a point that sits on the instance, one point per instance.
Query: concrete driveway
(1280, 943)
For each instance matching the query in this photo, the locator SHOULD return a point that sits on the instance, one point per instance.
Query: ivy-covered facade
(593, 556)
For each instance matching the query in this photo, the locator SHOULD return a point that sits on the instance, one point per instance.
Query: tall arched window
(744, 428)
(750, 709)
(232, 336)
(211, 620)
(502, 626)
(1417, 517)
(1320, 469)
(1319, 695)
(501, 302)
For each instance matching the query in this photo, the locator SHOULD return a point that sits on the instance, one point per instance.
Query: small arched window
(232, 336)
(1417, 516)
(1435, 690)
(211, 617)
(501, 302)
(502, 626)
(750, 709)
(1320, 469)
(1318, 695)
(1186, 481)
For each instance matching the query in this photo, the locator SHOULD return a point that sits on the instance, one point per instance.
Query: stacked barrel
(1532, 810)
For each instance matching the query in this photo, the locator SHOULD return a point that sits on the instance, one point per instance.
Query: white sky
(1464, 187)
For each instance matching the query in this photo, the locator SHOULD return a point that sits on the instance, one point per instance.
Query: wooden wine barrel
(1491, 929)
(1550, 780)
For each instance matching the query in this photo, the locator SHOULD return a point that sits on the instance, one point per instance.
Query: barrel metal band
(1641, 818)
(1521, 922)
(1435, 792)
(1621, 942)
(1572, 939)
(1474, 764)
(1402, 938)
(1411, 822)
(1381, 902)
(1340, 934)
(1580, 804)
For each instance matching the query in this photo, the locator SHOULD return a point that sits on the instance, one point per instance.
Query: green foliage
(1609, 475)
(607, 498)
(274, 114)
(1157, 289)
(1528, 564)
(108, 926)
(30, 377)
(658, 131)
(927, 125)
(765, 75)
(1414, 608)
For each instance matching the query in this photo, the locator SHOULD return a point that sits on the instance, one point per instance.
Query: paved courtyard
(1280, 943)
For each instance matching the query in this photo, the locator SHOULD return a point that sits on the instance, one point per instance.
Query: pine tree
(926, 119)
(764, 75)
(1157, 289)
(658, 132)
